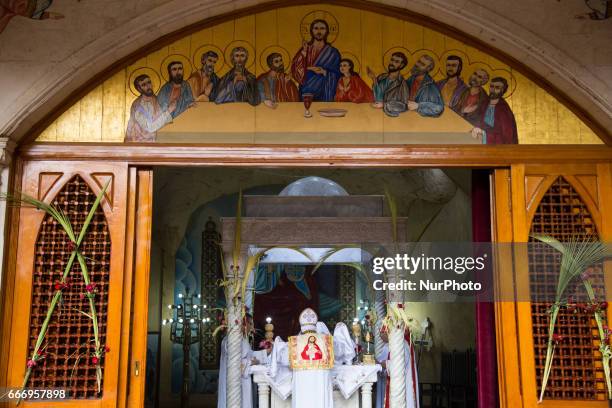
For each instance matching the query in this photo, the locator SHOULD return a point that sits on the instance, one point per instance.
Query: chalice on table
(307, 102)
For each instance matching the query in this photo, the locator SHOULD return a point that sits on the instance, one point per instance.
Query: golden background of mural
(102, 115)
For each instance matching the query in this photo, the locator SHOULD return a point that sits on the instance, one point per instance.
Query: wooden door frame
(515, 211)
(501, 159)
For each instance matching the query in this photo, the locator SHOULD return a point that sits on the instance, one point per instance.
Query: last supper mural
(325, 74)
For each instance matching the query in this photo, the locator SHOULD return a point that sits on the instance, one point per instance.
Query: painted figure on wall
(498, 125)
(390, 89)
(473, 101)
(238, 84)
(351, 88)
(316, 65)
(34, 9)
(204, 81)
(424, 96)
(452, 86)
(146, 114)
(275, 85)
(176, 90)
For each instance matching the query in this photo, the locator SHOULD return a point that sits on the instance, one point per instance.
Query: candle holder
(188, 321)
(269, 335)
(269, 327)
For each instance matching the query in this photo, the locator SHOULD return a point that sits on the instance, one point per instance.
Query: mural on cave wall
(346, 75)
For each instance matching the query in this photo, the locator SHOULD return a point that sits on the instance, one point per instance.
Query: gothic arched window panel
(69, 343)
(576, 371)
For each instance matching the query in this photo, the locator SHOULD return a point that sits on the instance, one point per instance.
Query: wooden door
(115, 243)
(560, 201)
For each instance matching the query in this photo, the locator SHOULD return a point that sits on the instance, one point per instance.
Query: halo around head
(507, 74)
(187, 67)
(493, 73)
(414, 57)
(352, 57)
(464, 59)
(390, 51)
(332, 22)
(197, 56)
(247, 46)
(155, 81)
(263, 64)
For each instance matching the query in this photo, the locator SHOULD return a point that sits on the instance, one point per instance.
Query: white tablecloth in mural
(346, 380)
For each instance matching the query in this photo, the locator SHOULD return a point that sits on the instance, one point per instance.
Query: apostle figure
(204, 81)
(275, 86)
(310, 355)
(473, 101)
(498, 125)
(316, 65)
(176, 90)
(249, 357)
(383, 385)
(390, 89)
(146, 115)
(424, 96)
(238, 84)
(351, 88)
(452, 86)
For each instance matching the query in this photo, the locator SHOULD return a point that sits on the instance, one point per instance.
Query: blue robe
(322, 87)
(185, 99)
(428, 97)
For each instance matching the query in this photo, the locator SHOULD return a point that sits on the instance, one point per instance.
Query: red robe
(318, 355)
(357, 91)
(284, 88)
(503, 130)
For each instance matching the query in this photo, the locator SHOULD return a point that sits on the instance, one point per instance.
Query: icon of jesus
(311, 350)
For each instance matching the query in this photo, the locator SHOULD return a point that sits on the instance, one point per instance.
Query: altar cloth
(345, 378)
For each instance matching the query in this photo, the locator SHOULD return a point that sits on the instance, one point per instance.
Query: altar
(352, 386)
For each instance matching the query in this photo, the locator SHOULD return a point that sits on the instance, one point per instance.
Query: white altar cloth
(347, 379)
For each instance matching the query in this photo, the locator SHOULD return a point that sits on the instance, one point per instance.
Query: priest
(249, 357)
(384, 381)
(310, 355)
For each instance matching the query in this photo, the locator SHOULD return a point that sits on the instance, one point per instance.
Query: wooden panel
(317, 155)
(68, 345)
(521, 226)
(508, 361)
(27, 235)
(140, 292)
(563, 215)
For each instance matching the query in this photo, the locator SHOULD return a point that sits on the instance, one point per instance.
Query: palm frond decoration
(21, 199)
(576, 256)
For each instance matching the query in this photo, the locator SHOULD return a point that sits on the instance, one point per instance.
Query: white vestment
(247, 355)
(309, 388)
(412, 379)
(344, 345)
